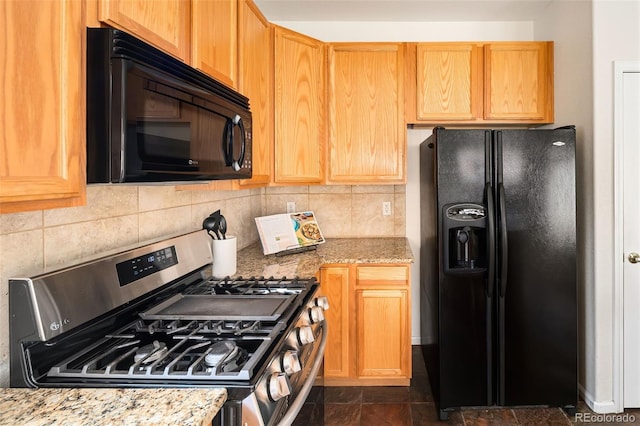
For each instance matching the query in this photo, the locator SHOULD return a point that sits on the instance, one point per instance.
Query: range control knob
(316, 314)
(322, 301)
(291, 362)
(279, 386)
(305, 335)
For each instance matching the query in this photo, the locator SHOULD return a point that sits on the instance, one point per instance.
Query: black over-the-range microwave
(152, 118)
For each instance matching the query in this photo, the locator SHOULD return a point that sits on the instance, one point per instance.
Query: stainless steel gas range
(154, 317)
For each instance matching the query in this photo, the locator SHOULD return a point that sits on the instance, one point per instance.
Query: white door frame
(620, 67)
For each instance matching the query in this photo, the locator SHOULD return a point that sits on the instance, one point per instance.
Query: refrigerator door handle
(504, 259)
(491, 230)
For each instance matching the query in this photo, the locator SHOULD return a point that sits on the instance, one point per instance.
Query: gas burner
(219, 352)
(224, 357)
(151, 352)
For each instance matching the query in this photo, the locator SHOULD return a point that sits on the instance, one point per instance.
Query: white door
(631, 235)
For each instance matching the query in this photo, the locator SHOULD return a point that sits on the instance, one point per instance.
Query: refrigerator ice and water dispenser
(465, 244)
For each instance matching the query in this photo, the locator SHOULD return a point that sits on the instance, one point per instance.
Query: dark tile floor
(414, 406)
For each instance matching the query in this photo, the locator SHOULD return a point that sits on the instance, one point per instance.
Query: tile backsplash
(118, 216)
(345, 210)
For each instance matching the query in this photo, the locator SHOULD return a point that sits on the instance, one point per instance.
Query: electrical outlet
(291, 207)
(386, 208)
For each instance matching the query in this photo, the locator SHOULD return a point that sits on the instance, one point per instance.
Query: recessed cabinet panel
(382, 333)
(449, 81)
(384, 275)
(299, 108)
(162, 23)
(214, 38)
(518, 81)
(335, 286)
(255, 40)
(366, 113)
(42, 142)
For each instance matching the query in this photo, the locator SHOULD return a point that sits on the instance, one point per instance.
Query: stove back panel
(63, 300)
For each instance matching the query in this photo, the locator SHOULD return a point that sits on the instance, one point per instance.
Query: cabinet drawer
(382, 273)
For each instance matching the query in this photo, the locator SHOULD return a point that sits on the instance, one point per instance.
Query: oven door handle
(297, 404)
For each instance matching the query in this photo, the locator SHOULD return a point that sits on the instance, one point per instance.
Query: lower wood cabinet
(369, 325)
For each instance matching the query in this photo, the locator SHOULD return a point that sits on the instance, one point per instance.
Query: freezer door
(463, 167)
(537, 318)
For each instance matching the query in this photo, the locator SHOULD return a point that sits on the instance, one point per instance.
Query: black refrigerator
(498, 256)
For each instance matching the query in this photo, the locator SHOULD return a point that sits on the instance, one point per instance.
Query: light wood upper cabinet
(519, 81)
(214, 39)
(366, 113)
(163, 23)
(255, 54)
(299, 108)
(42, 142)
(449, 81)
(482, 83)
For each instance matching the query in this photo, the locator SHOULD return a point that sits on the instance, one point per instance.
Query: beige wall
(574, 105)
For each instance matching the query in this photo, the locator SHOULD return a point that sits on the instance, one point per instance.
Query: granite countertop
(252, 262)
(84, 406)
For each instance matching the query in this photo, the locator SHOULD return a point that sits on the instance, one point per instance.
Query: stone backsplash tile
(277, 203)
(17, 222)
(103, 201)
(200, 196)
(156, 197)
(330, 189)
(166, 222)
(373, 189)
(345, 210)
(333, 213)
(199, 212)
(287, 190)
(367, 219)
(240, 220)
(399, 212)
(71, 243)
(22, 255)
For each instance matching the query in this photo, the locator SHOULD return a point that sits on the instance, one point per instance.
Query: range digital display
(145, 265)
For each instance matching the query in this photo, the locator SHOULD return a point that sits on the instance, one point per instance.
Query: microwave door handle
(227, 143)
(237, 120)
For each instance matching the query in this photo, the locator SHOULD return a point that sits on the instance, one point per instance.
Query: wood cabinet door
(255, 62)
(162, 23)
(449, 81)
(384, 346)
(299, 108)
(383, 321)
(334, 284)
(214, 39)
(366, 113)
(42, 109)
(519, 81)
